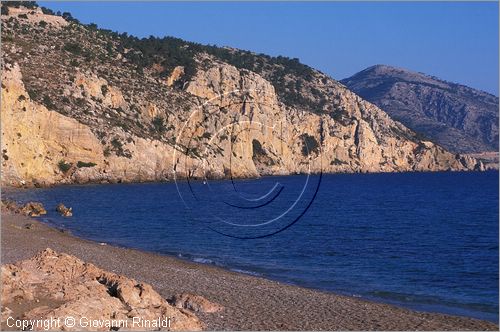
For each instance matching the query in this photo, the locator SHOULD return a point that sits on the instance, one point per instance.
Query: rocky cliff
(81, 104)
(459, 118)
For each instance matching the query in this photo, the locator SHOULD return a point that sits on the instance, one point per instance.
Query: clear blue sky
(454, 41)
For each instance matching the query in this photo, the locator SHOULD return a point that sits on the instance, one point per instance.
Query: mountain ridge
(421, 74)
(459, 118)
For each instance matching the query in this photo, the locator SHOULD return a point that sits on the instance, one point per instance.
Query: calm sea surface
(427, 241)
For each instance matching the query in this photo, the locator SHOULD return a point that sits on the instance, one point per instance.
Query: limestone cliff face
(35, 139)
(361, 140)
(90, 116)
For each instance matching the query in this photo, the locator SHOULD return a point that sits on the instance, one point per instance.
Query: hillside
(459, 118)
(82, 104)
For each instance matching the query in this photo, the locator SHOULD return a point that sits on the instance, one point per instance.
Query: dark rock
(64, 211)
(33, 209)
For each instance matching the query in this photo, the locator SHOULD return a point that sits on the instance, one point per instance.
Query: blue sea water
(427, 241)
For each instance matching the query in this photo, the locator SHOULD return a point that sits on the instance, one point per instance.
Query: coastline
(37, 185)
(251, 303)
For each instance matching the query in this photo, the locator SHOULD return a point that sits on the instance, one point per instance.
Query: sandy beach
(251, 303)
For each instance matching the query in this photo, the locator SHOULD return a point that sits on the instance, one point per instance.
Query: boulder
(64, 211)
(33, 209)
(53, 285)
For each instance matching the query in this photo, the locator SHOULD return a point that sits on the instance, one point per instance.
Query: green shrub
(73, 48)
(64, 166)
(115, 142)
(119, 150)
(48, 102)
(81, 164)
(159, 124)
(47, 11)
(25, 4)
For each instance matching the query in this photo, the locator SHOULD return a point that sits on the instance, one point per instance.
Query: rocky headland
(82, 104)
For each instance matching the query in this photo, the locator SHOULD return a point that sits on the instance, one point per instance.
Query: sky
(455, 41)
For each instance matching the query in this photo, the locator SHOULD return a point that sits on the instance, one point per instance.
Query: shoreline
(251, 302)
(37, 185)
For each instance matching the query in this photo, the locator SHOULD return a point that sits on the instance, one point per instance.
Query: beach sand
(251, 303)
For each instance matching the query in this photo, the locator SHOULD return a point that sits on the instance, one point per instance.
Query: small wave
(203, 260)
(246, 272)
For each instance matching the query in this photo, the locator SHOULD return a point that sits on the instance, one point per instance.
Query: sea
(425, 241)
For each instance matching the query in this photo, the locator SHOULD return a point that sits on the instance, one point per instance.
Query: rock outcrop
(33, 209)
(459, 118)
(64, 211)
(91, 114)
(59, 285)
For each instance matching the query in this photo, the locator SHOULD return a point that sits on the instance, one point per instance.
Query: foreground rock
(60, 285)
(64, 211)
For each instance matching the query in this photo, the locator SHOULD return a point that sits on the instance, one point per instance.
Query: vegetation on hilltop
(288, 75)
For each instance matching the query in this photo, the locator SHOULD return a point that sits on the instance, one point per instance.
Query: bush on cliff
(64, 166)
(81, 164)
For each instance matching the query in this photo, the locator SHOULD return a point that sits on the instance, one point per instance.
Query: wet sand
(251, 303)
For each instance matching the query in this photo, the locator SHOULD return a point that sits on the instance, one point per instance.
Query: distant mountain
(459, 118)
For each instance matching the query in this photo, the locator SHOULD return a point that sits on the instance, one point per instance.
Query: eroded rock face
(36, 140)
(65, 286)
